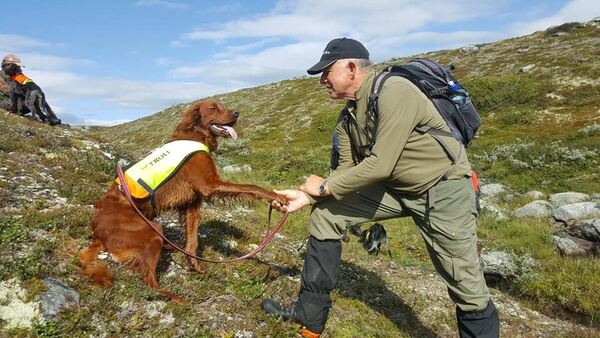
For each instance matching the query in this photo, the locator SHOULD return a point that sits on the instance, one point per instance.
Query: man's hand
(311, 186)
(296, 200)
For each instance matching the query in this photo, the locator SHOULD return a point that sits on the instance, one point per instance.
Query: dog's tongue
(231, 132)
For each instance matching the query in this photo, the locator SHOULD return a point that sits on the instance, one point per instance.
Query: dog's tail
(97, 271)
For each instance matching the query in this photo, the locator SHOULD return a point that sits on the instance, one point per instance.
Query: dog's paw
(280, 199)
(197, 266)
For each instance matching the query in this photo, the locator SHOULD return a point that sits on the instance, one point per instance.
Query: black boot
(319, 276)
(274, 308)
(481, 324)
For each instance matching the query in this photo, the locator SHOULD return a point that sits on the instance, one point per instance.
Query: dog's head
(209, 119)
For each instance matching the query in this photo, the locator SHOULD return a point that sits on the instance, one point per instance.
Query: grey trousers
(446, 218)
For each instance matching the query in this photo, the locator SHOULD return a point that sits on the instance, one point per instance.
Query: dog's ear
(191, 118)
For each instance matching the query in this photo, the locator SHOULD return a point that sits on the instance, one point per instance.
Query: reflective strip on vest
(144, 177)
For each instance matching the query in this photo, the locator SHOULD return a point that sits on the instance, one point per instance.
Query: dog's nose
(235, 114)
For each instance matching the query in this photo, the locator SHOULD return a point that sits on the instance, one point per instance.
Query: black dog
(373, 239)
(26, 96)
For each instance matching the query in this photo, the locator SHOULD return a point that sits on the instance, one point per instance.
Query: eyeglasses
(327, 70)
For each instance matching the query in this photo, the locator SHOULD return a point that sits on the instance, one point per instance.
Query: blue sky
(110, 61)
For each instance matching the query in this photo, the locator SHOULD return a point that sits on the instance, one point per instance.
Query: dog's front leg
(192, 220)
(225, 189)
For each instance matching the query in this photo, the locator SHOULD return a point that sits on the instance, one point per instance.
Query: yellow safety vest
(144, 177)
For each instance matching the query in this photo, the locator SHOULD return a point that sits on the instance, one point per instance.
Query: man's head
(344, 64)
(12, 58)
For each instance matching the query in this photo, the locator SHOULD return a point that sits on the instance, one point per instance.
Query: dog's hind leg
(192, 218)
(97, 271)
(146, 266)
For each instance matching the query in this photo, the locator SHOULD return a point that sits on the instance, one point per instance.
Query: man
(383, 169)
(5, 102)
(26, 96)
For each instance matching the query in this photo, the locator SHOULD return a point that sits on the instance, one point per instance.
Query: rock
(230, 243)
(234, 169)
(537, 195)
(527, 68)
(491, 190)
(14, 312)
(576, 211)
(595, 22)
(493, 211)
(535, 209)
(498, 263)
(510, 197)
(563, 198)
(573, 246)
(591, 130)
(591, 229)
(469, 49)
(123, 162)
(504, 264)
(58, 297)
(563, 29)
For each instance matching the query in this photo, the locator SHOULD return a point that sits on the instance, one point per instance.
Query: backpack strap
(436, 133)
(372, 108)
(347, 116)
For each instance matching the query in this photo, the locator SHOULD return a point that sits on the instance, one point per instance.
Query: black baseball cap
(337, 49)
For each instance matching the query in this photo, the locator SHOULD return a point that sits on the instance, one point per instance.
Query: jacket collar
(365, 88)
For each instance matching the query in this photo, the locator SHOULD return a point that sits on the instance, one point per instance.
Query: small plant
(245, 288)
(49, 329)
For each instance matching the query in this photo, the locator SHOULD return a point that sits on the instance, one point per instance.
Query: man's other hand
(296, 200)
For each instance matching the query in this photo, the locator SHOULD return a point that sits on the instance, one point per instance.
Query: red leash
(261, 246)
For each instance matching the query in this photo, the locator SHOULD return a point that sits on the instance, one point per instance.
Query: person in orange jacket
(26, 95)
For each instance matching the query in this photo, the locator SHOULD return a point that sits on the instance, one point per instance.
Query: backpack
(450, 99)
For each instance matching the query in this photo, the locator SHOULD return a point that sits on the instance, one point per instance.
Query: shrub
(494, 92)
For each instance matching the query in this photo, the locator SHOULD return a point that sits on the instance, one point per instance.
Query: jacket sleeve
(399, 103)
(345, 154)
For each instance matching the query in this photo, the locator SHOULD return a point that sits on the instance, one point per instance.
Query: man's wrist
(323, 191)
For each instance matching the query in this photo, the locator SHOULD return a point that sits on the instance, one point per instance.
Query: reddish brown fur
(118, 229)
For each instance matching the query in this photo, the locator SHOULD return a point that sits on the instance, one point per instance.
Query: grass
(538, 134)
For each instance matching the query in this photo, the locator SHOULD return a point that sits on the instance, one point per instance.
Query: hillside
(539, 96)
(540, 126)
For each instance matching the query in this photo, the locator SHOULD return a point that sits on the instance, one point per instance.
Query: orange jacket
(21, 79)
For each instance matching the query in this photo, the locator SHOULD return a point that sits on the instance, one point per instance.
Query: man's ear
(352, 69)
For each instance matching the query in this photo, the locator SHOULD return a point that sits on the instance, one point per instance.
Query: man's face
(337, 79)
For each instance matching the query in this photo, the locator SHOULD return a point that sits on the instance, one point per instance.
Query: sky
(104, 62)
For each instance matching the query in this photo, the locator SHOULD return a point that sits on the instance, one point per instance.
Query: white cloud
(161, 3)
(310, 24)
(36, 61)
(17, 43)
(271, 64)
(144, 95)
(314, 19)
(162, 61)
(576, 10)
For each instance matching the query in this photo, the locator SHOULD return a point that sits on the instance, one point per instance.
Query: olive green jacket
(403, 159)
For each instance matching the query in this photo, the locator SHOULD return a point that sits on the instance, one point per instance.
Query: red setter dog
(118, 229)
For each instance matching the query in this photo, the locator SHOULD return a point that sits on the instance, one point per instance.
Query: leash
(261, 246)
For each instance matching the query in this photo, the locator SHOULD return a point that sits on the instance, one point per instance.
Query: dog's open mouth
(223, 130)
